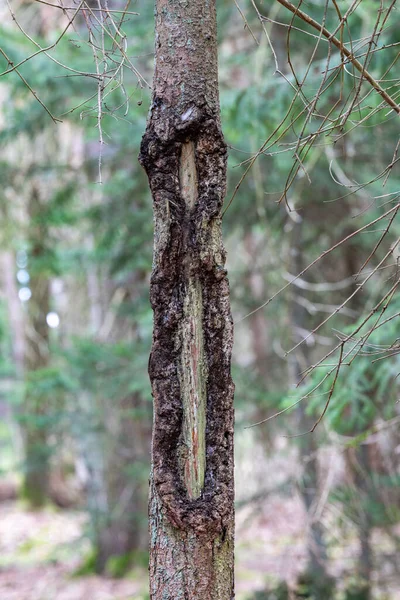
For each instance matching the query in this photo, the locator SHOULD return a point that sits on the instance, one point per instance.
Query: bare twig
(307, 19)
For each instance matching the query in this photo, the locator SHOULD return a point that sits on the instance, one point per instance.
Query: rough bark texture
(184, 154)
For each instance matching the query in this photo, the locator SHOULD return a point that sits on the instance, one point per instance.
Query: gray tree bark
(184, 154)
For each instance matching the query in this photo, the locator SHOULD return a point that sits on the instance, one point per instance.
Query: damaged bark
(184, 154)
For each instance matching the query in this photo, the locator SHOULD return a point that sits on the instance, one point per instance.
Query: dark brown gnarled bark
(184, 154)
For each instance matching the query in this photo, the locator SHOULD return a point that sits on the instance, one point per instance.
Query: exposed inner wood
(188, 175)
(193, 370)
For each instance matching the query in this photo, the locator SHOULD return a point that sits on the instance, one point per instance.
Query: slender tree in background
(184, 154)
(315, 575)
(35, 429)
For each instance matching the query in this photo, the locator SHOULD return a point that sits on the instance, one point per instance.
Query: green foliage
(43, 75)
(363, 392)
(358, 591)
(118, 566)
(88, 565)
(106, 369)
(355, 506)
(280, 592)
(310, 586)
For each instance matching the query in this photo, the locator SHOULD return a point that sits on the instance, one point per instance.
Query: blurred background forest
(317, 515)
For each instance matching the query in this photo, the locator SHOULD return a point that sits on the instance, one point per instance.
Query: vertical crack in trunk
(192, 374)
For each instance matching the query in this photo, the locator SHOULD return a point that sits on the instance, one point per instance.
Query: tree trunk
(261, 343)
(35, 427)
(364, 521)
(15, 314)
(315, 575)
(357, 459)
(122, 529)
(184, 154)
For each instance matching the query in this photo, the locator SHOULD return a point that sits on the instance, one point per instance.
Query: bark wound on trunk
(184, 154)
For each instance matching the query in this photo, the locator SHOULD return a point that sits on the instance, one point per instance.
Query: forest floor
(41, 551)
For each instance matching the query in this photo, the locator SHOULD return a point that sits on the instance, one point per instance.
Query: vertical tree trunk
(315, 575)
(358, 460)
(362, 474)
(16, 325)
(15, 314)
(121, 530)
(260, 337)
(184, 154)
(35, 428)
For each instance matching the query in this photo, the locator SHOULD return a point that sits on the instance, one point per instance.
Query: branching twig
(307, 19)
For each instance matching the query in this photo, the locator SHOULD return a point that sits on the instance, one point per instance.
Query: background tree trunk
(121, 530)
(15, 314)
(315, 576)
(358, 461)
(35, 425)
(184, 154)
